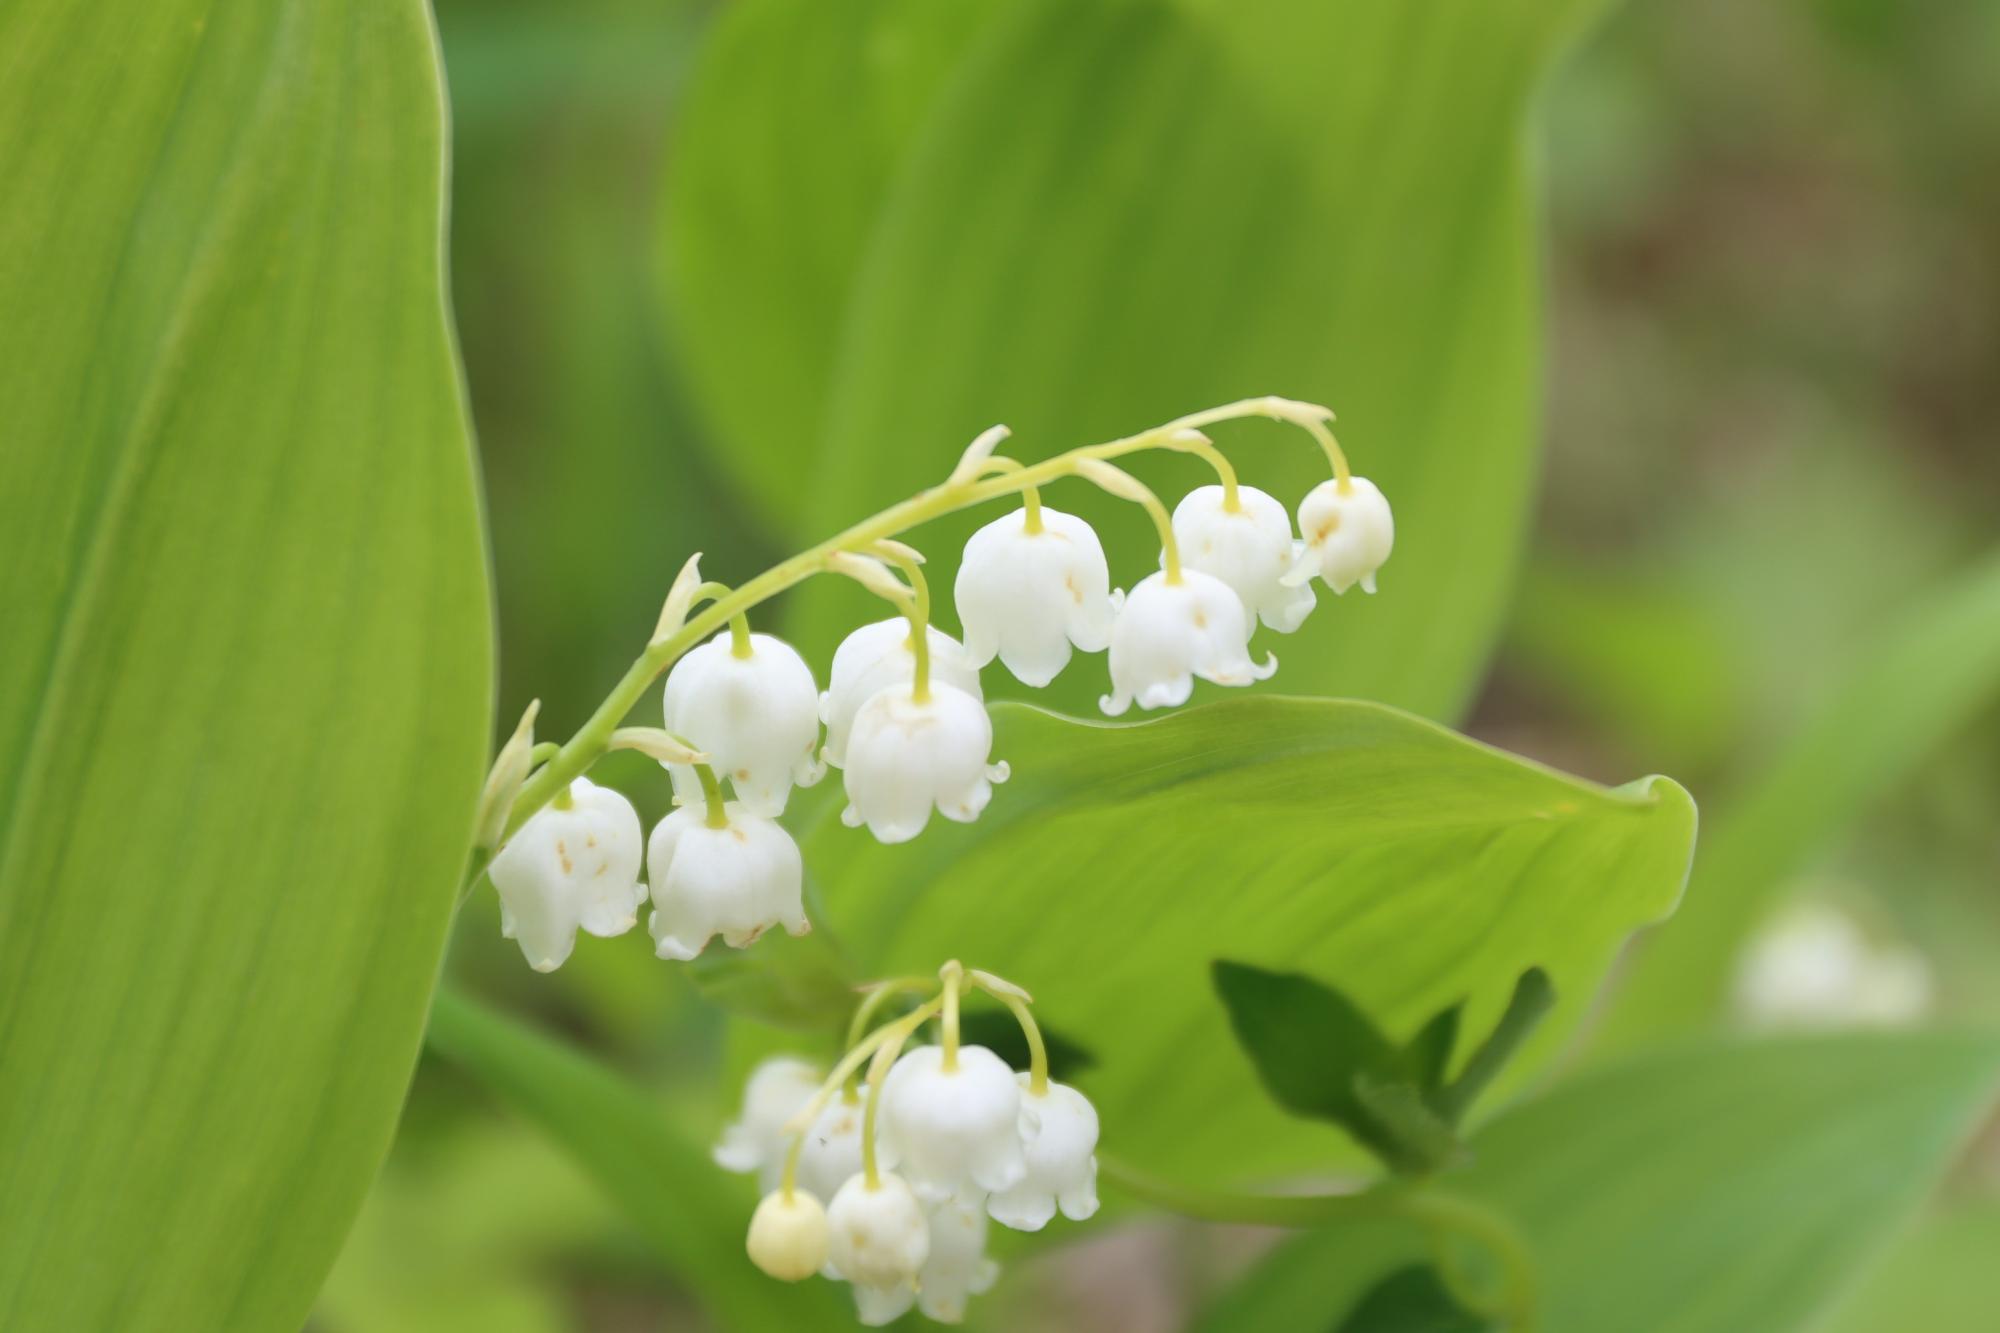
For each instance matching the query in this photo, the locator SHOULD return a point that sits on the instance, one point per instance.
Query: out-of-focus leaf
(1929, 674)
(1342, 839)
(1938, 1277)
(1710, 1190)
(689, 1209)
(1411, 1300)
(245, 691)
(1325, 201)
(798, 119)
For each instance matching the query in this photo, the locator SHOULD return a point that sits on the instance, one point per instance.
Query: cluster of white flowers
(957, 1138)
(903, 715)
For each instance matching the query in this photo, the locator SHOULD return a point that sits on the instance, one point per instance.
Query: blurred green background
(1772, 265)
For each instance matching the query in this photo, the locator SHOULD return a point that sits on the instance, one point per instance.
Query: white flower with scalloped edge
(1250, 548)
(879, 1239)
(873, 658)
(1059, 1140)
(906, 756)
(1168, 633)
(958, 1267)
(953, 1130)
(756, 717)
(756, 1140)
(736, 881)
(1027, 594)
(570, 870)
(1348, 532)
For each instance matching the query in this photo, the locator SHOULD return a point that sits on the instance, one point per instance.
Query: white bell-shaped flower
(756, 717)
(1250, 548)
(736, 881)
(958, 1267)
(756, 1140)
(873, 658)
(1059, 1138)
(879, 1239)
(1027, 595)
(570, 869)
(1348, 533)
(906, 756)
(788, 1235)
(832, 1149)
(1168, 633)
(950, 1131)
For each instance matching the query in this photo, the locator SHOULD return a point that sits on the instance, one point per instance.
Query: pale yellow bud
(788, 1235)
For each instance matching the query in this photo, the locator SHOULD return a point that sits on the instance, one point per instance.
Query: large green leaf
(245, 693)
(1926, 677)
(1117, 212)
(1706, 1191)
(1938, 1277)
(1412, 867)
(693, 1213)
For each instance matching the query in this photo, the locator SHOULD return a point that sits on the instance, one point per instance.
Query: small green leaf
(1411, 1300)
(1709, 1190)
(245, 684)
(693, 1213)
(1532, 1000)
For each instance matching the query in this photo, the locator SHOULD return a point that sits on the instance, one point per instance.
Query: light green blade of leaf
(789, 137)
(245, 692)
(1706, 1190)
(693, 1213)
(1938, 1277)
(1927, 677)
(1116, 213)
(1407, 865)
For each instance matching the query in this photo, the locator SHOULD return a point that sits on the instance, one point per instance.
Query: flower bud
(1028, 595)
(1250, 548)
(736, 881)
(570, 869)
(1059, 1140)
(788, 1235)
(1168, 633)
(907, 755)
(875, 657)
(1348, 532)
(756, 717)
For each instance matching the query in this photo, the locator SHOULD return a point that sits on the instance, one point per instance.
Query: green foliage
(1320, 1055)
(1938, 1277)
(1080, 219)
(1417, 868)
(691, 1212)
(1709, 1190)
(1411, 1300)
(244, 696)
(1922, 682)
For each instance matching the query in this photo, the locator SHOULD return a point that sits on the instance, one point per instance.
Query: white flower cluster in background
(903, 716)
(959, 1139)
(1815, 968)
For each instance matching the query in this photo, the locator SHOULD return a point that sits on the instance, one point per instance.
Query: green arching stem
(1437, 1212)
(739, 624)
(919, 613)
(543, 752)
(790, 1178)
(878, 1074)
(871, 1004)
(711, 792)
(1343, 478)
(584, 748)
(953, 977)
(802, 1119)
(1038, 1055)
(1031, 496)
(1203, 448)
(1129, 487)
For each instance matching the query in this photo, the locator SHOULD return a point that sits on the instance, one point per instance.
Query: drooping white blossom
(906, 756)
(1348, 532)
(879, 1239)
(756, 1140)
(1250, 548)
(958, 1267)
(1059, 1140)
(788, 1235)
(875, 657)
(1027, 592)
(568, 870)
(950, 1131)
(1167, 633)
(756, 717)
(832, 1149)
(736, 881)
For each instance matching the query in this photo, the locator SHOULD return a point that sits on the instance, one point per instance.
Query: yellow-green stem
(1201, 447)
(953, 977)
(711, 793)
(871, 1004)
(1031, 496)
(878, 1074)
(1038, 1055)
(919, 613)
